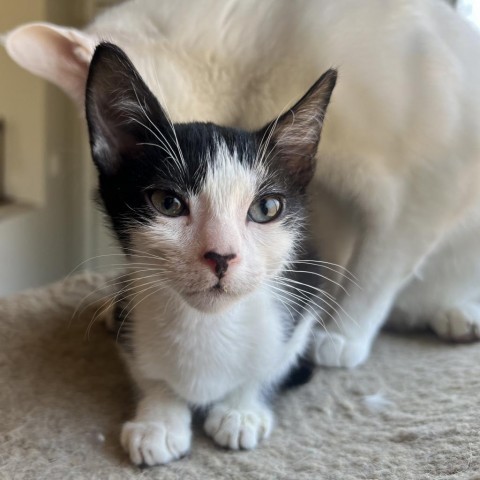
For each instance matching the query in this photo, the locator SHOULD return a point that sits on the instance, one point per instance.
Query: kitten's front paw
(239, 429)
(155, 443)
(335, 350)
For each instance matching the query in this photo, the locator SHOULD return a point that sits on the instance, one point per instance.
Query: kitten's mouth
(217, 289)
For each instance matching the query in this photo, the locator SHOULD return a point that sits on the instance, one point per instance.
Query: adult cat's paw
(155, 443)
(460, 324)
(239, 428)
(335, 350)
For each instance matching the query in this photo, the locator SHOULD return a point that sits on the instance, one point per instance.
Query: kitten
(395, 193)
(211, 220)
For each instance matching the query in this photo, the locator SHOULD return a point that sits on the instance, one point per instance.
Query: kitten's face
(220, 232)
(209, 212)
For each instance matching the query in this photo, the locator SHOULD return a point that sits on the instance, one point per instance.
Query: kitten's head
(210, 212)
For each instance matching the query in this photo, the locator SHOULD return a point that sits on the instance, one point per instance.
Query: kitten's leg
(160, 431)
(241, 420)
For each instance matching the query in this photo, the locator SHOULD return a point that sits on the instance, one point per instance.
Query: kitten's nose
(219, 263)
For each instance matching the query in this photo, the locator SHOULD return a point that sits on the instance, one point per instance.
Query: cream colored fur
(396, 197)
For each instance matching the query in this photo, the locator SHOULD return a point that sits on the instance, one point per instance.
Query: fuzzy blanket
(411, 412)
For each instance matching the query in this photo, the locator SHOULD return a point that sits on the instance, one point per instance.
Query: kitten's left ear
(295, 135)
(122, 112)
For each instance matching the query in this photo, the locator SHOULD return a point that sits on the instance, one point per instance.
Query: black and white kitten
(220, 303)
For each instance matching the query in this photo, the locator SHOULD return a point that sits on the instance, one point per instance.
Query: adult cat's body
(395, 196)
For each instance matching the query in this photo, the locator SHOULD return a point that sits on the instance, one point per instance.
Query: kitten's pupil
(168, 203)
(269, 206)
(266, 209)
(171, 204)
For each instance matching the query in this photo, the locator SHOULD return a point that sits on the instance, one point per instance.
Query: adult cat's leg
(404, 223)
(160, 431)
(459, 323)
(382, 262)
(241, 420)
(445, 293)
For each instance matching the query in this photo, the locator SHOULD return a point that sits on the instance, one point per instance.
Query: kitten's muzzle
(219, 263)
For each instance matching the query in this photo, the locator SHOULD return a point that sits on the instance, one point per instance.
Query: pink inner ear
(59, 55)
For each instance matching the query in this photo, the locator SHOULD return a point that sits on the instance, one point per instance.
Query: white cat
(396, 196)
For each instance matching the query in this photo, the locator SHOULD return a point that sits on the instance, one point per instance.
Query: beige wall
(39, 242)
(22, 107)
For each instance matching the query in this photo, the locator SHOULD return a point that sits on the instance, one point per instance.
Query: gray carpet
(411, 412)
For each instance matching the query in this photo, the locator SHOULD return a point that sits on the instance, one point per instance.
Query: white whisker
(327, 266)
(288, 281)
(321, 276)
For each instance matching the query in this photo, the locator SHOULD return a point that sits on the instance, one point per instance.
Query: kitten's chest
(203, 358)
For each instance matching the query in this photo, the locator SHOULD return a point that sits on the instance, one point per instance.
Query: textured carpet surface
(411, 412)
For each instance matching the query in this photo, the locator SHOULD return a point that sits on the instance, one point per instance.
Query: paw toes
(226, 434)
(154, 443)
(237, 429)
(335, 350)
(255, 429)
(458, 324)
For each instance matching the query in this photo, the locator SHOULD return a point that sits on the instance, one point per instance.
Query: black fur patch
(299, 375)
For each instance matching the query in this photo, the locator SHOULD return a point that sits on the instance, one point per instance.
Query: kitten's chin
(213, 300)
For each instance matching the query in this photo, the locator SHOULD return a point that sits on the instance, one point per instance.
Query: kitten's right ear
(60, 55)
(295, 135)
(122, 113)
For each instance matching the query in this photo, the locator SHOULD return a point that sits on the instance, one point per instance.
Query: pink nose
(218, 263)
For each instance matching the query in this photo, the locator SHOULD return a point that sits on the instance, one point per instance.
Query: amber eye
(168, 203)
(265, 209)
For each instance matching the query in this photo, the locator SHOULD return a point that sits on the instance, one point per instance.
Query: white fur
(244, 344)
(227, 359)
(196, 345)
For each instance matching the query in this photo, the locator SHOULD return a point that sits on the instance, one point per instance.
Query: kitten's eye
(168, 203)
(265, 209)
